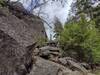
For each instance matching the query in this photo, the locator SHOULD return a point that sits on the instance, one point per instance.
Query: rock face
(25, 30)
(18, 35)
(13, 57)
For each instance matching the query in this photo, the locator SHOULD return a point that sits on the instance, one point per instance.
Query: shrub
(81, 39)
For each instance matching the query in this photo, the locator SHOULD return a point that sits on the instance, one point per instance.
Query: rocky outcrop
(69, 62)
(46, 67)
(50, 55)
(25, 30)
(13, 57)
(19, 33)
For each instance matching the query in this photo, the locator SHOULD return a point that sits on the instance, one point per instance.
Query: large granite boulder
(25, 29)
(18, 36)
(14, 58)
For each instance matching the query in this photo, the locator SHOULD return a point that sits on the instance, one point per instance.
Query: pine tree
(86, 7)
(96, 15)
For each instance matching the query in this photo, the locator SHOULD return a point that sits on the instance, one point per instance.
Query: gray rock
(16, 6)
(72, 64)
(18, 36)
(45, 67)
(49, 50)
(78, 67)
(26, 30)
(64, 60)
(13, 57)
(86, 65)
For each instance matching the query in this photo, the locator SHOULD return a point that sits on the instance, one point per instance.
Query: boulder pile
(49, 62)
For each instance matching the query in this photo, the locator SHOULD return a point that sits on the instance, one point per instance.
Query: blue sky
(51, 11)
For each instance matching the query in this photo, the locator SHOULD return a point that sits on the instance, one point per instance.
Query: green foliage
(85, 6)
(83, 38)
(2, 2)
(57, 28)
(96, 16)
(91, 41)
